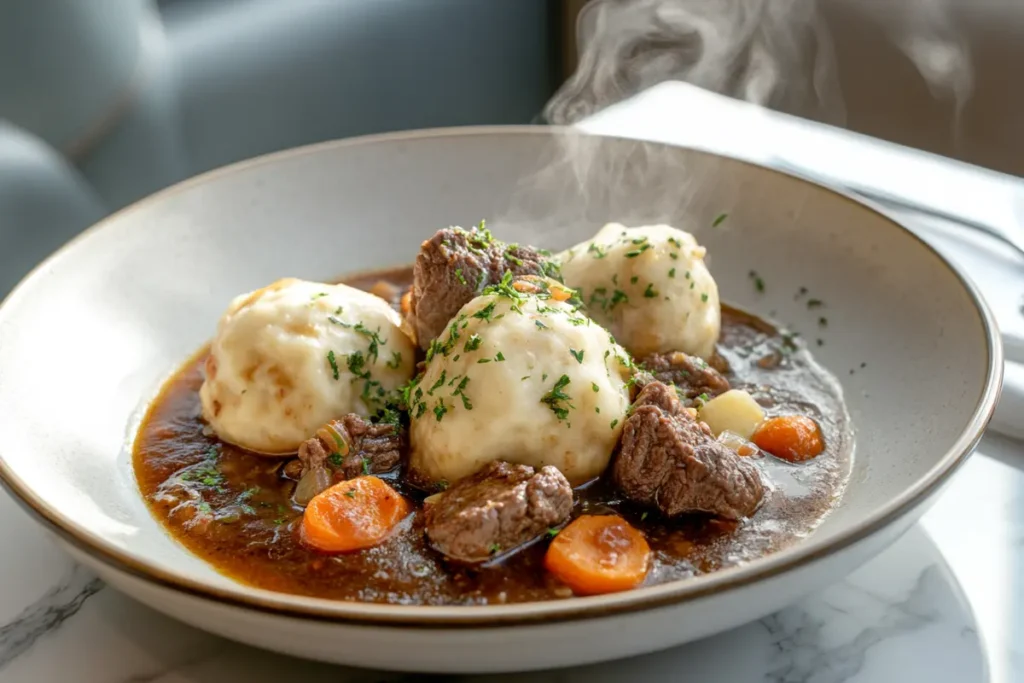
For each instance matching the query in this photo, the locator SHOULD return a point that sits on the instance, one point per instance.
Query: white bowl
(87, 338)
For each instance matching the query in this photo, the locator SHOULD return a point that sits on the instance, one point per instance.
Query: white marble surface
(944, 605)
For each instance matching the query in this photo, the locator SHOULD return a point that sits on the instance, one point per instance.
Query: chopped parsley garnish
(499, 358)
(460, 277)
(366, 465)
(337, 321)
(505, 288)
(335, 459)
(495, 548)
(619, 297)
(672, 272)
(460, 392)
(509, 256)
(650, 292)
(396, 360)
(614, 422)
(334, 364)
(578, 355)
(673, 255)
(374, 337)
(440, 409)
(593, 385)
(758, 282)
(552, 532)
(719, 219)
(318, 295)
(473, 343)
(596, 250)
(438, 384)
(483, 360)
(675, 242)
(557, 400)
(485, 312)
(435, 348)
(205, 508)
(643, 516)
(351, 493)
(633, 280)
(702, 399)
(814, 303)
(704, 297)
(540, 325)
(636, 252)
(822, 322)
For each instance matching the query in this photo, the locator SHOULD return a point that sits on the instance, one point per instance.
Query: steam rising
(775, 53)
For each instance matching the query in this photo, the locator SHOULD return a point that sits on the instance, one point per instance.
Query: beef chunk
(670, 460)
(497, 509)
(372, 448)
(690, 374)
(454, 266)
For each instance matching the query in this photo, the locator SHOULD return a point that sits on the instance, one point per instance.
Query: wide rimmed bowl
(88, 337)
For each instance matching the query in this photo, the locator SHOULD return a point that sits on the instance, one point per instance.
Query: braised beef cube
(454, 266)
(691, 375)
(497, 509)
(372, 448)
(670, 460)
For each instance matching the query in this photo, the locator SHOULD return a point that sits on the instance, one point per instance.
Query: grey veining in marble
(49, 612)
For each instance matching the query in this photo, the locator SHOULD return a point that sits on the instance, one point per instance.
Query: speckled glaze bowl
(88, 337)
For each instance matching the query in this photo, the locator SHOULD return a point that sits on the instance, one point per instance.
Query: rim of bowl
(481, 616)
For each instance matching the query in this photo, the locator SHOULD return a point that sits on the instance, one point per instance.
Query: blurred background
(103, 102)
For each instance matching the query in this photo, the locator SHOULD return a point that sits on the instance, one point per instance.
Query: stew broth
(233, 508)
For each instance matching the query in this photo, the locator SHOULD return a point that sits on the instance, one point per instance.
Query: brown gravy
(233, 509)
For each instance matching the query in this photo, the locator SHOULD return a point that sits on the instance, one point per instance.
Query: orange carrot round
(598, 554)
(353, 514)
(791, 437)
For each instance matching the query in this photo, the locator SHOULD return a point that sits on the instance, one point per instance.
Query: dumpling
(520, 377)
(292, 356)
(649, 286)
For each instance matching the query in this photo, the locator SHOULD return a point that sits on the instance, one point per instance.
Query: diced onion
(313, 483)
(334, 437)
(738, 444)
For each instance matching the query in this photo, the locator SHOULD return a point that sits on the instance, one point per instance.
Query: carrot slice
(353, 514)
(598, 554)
(791, 437)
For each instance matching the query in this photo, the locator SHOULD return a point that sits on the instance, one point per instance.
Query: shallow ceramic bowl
(87, 339)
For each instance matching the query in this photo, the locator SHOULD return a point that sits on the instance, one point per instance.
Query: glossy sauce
(233, 509)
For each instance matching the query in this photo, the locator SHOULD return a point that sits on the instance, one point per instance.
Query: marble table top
(945, 604)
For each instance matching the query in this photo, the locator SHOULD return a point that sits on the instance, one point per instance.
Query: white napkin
(679, 113)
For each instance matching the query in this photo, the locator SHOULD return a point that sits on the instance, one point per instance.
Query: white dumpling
(292, 356)
(519, 378)
(649, 286)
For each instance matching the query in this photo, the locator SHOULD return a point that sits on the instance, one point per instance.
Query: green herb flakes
(557, 400)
